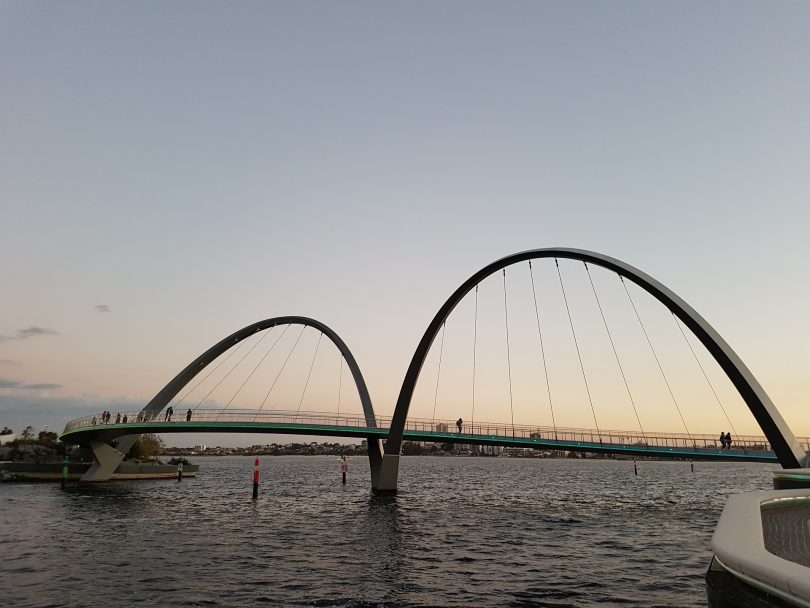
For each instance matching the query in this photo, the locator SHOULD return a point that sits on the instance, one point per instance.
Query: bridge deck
(698, 447)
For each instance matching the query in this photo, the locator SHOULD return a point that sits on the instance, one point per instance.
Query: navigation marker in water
(256, 479)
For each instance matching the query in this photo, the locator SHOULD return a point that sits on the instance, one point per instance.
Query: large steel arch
(106, 456)
(783, 442)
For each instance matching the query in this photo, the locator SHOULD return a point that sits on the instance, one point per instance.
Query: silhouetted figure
(728, 440)
(188, 415)
(118, 418)
(94, 421)
(169, 414)
(722, 441)
(459, 424)
(125, 419)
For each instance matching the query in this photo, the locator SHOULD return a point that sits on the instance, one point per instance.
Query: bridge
(557, 439)
(111, 441)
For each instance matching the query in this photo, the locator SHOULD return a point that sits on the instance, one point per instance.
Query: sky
(172, 172)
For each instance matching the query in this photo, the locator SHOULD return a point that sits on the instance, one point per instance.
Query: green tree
(47, 438)
(147, 447)
(410, 448)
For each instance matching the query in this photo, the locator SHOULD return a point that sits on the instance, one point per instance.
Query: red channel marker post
(256, 479)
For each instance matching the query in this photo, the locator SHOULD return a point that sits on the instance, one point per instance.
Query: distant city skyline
(171, 173)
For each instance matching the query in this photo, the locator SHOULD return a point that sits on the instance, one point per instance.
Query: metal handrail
(562, 435)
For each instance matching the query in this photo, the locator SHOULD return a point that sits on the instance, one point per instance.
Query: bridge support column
(375, 453)
(386, 478)
(108, 458)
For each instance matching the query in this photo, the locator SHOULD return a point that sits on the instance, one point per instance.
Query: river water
(461, 532)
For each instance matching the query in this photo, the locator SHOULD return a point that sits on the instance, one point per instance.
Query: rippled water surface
(461, 532)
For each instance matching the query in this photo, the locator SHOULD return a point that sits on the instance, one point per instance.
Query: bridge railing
(222, 416)
(580, 435)
(439, 428)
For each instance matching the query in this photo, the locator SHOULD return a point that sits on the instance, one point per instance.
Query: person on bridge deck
(118, 418)
(188, 415)
(459, 424)
(125, 419)
(94, 421)
(169, 414)
(728, 440)
(722, 441)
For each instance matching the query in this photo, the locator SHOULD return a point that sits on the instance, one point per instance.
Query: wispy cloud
(103, 308)
(30, 332)
(9, 362)
(27, 387)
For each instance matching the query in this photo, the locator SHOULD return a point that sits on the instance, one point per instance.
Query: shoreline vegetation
(408, 449)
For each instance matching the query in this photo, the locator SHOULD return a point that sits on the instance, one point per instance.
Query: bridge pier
(108, 458)
(385, 482)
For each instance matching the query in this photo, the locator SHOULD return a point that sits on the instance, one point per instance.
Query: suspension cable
(272, 386)
(250, 375)
(711, 386)
(579, 355)
(475, 344)
(191, 390)
(543, 351)
(311, 365)
(615, 352)
(340, 382)
(438, 375)
(508, 354)
(259, 341)
(658, 362)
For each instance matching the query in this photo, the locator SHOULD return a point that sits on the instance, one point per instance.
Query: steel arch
(783, 442)
(107, 458)
(164, 397)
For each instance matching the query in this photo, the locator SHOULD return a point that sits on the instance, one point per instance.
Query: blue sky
(196, 166)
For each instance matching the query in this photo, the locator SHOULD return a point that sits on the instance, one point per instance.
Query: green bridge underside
(112, 431)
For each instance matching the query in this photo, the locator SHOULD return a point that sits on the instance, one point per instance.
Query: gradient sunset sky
(171, 172)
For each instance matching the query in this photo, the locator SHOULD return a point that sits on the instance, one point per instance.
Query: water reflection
(461, 532)
(382, 539)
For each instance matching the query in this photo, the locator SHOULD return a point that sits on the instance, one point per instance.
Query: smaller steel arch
(787, 449)
(168, 392)
(108, 458)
